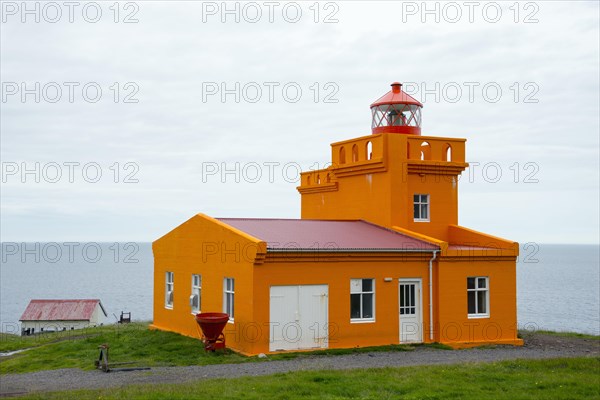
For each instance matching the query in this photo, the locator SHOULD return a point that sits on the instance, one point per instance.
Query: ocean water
(558, 286)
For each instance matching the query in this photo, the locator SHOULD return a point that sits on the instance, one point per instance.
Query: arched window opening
(318, 179)
(342, 155)
(308, 180)
(369, 150)
(448, 152)
(425, 151)
(354, 153)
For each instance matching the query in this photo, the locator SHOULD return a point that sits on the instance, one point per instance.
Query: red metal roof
(325, 235)
(396, 96)
(60, 310)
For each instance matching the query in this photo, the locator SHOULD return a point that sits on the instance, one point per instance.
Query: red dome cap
(396, 96)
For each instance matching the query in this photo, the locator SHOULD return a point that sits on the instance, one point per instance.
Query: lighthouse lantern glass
(396, 115)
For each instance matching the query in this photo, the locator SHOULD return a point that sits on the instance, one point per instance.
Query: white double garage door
(299, 315)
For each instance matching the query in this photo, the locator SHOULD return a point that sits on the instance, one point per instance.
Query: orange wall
(373, 189)
(203, 246)
(381, 189)
(443, 198)
(337, 274)
(451, 315)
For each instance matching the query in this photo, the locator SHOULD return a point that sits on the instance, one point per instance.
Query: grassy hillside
(132, 342)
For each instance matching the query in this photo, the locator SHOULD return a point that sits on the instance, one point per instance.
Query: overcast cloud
(172, 145)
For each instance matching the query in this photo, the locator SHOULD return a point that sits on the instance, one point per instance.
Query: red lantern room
(396, 112)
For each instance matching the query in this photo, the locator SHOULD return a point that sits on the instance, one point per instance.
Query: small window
(354, 153)
(448, 152)
(421, 207)
(342, 155)
(362, 300)
(169, 284)
(478, 302)
(195, 298)
(369, 150)
(228, 297)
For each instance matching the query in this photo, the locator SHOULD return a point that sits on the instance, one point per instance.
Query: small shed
(61, 315)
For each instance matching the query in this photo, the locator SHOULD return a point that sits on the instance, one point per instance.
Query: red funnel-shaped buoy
(212, 325)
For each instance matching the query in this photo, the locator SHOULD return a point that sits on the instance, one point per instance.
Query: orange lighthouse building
(377, 258)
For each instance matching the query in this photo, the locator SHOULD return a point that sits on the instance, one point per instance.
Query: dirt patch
(565, 344)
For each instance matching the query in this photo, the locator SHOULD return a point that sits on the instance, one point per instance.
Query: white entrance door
(298, 317)
(411, 318)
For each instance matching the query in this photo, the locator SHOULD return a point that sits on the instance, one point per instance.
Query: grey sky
(544, 124)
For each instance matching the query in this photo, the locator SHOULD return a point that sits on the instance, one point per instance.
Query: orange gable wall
(205, 246)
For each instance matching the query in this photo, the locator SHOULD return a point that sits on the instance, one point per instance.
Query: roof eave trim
(298, 250)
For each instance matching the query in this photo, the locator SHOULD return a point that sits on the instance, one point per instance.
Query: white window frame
(229, 297)
(477, 289)
(354, 291)
(196, 291)
(420, 203)
(169, 289)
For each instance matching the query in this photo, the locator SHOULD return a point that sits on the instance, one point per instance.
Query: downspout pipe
(431, 294)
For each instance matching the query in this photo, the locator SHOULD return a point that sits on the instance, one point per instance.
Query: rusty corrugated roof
(61, 310)
(323, 235)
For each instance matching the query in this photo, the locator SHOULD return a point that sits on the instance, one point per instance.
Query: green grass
(577, 378)
(131, 342)
(10, 342)
(135, 342)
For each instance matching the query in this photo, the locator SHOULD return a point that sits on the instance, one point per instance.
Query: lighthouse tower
(394, 177)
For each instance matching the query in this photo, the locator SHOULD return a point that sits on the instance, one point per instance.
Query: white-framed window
(228, 297)
(196, 298)
(478, 299)
(362, 300)
(169, 285)
(421, 207)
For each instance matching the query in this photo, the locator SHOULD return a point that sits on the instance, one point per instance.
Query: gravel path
(537, 346)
